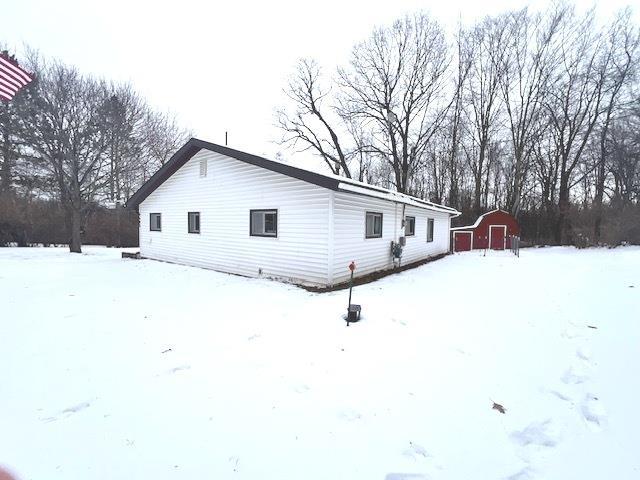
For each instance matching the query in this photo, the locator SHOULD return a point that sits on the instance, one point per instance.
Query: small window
(203, 167)
(409, 226)
(263, 223)
(194, 222)
(155, 223)
(373, 225)
(430, 230)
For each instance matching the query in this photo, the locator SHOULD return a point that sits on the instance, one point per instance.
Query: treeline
(537, 113)
(73, 149)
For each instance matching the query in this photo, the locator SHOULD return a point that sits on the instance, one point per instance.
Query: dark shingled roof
(194, 145)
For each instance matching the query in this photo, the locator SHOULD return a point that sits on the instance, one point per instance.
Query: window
(409, 226)
(263, 223)
(373, 225)
(155, 224)
(203, 167)
(194, 222)
(430, 230)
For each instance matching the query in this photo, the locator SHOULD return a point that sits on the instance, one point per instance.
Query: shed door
(497, 234)
(462, 241)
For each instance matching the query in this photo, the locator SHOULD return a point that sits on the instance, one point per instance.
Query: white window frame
(407, 223)
(373, 234)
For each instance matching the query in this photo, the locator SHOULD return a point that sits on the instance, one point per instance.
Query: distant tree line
(537, 113)
(73, 149)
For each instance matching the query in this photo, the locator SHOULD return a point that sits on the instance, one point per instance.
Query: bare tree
(309, 125)
(67, 142)
(120, 116)
(486, 44)
(452, 129)
(573, 102)
(395, 87)
(523, 80)
(161, 136)
(624, 141)
(620, 61)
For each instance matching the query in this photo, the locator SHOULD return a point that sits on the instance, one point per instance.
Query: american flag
(12, 77)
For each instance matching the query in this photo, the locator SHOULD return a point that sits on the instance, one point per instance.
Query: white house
(214, 207)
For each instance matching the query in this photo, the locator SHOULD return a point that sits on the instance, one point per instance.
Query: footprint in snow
(536, 433)
(570, 333)
(76, 408)
(415, 451)
(574, 376)
(524, 474)
(593, 412)
(67, 412)
(301, 388)
(583, 353)
(349, 415)
(561, 395)
(179, 369)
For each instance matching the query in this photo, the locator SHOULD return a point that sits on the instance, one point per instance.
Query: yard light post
(353, 311)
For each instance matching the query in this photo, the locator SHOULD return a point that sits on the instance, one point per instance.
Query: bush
(25, 222)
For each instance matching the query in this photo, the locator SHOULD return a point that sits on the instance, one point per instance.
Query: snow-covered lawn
(127, 369)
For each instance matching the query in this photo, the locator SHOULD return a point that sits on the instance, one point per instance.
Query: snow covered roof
(479, 219)
(332, 182)
(390, 195)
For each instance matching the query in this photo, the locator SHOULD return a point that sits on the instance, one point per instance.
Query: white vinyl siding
(372, 254)
(417, 248)
(224, 199)
(318, 231)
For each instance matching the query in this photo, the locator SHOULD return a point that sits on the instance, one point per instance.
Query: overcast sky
(218, 65)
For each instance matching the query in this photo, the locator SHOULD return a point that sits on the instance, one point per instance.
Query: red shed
(491, 230)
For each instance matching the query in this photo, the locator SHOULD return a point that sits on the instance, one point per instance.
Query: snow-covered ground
(125, 369)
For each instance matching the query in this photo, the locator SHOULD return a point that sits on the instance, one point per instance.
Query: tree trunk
(563, 211)
(597, 202)
(477, 194)
(75, 222)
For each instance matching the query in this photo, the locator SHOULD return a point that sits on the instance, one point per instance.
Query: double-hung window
(155, 222)
(373, 225)
(263, 223)
(430, 230)
(193, 222)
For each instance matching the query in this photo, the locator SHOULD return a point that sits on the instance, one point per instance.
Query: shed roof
(479, 219)
(332, 182)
